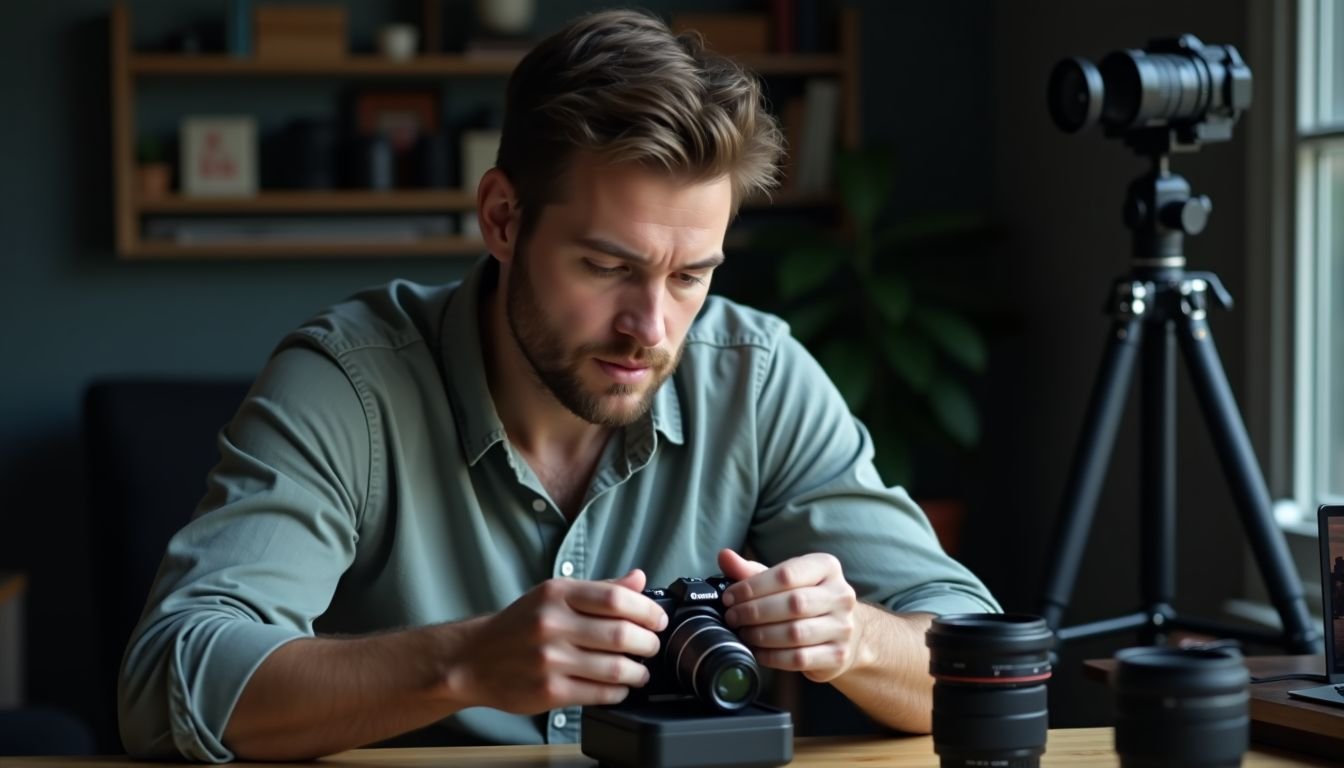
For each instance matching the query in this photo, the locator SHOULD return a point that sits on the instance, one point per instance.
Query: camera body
(698, 655)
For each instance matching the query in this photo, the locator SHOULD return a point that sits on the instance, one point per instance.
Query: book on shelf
(221, 230)
(816, 150)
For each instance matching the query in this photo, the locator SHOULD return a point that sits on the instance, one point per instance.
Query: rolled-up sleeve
(260, 561)
(822, 493)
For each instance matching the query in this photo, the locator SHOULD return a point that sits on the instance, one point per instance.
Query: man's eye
(688, 280)
(598, 269)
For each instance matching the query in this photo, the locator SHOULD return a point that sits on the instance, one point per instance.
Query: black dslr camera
(699, 708)
(698, 654)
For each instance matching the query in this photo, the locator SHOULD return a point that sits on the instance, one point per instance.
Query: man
(439, 505)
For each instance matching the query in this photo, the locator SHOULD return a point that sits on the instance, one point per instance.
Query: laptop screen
(1332, 583)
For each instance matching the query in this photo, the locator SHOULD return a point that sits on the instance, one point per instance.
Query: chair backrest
(149, 444)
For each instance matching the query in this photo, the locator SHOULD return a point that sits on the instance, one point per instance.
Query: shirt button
(539, 505)
(566, 569)
(559, 720)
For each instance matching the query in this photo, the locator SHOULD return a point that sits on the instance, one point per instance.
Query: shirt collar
(478, 423)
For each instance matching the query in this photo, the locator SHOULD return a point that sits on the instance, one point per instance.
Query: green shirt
(366, 483)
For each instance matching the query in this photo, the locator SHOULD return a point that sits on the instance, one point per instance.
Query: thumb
(737, 567)
(635, 580)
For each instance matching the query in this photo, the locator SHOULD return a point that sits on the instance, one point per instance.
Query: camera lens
(1075, 94)
(733, 683)
(989, 698)
(711, 662)
(1180, 707)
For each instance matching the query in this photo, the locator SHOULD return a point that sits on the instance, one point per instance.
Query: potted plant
(153, 173)
(875, 303)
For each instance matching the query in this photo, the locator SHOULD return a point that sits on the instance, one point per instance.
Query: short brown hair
(620, 85)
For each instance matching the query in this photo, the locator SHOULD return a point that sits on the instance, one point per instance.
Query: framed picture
(219, 156)
(402, 118)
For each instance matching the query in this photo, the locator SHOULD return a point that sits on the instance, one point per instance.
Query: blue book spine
(239, 27)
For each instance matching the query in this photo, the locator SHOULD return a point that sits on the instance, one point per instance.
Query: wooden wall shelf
(129, 67)
(218, 65)
(152, 250)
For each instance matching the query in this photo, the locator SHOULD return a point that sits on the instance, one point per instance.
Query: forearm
(890, 678)
(317, 696)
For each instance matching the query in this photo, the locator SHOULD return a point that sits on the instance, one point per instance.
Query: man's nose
(641, 317)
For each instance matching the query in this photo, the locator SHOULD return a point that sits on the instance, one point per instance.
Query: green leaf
(807, 321)
(851, 369)
(956, 411)
(954, 335)
(865, 184)
(804, 269)
(911, 357)
(890, 295)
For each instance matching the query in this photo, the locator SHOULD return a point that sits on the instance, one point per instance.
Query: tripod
(1155, 308)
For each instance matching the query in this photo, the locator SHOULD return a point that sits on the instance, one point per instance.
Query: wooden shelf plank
(444, 65)
(150, 250)
(325, 201)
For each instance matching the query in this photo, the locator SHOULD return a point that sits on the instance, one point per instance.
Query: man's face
(603, 290)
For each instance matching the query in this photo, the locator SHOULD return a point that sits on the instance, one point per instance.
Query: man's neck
(537, 424)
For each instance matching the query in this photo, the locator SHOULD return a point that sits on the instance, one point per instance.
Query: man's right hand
(564, 643)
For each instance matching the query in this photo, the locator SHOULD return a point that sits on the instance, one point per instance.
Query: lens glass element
(733, 683)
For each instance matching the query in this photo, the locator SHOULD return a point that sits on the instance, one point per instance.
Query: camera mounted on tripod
(1171, 96)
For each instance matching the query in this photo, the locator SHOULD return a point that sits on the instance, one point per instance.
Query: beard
(559, 369)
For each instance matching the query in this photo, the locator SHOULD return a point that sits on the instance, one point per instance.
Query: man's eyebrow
(616, 250)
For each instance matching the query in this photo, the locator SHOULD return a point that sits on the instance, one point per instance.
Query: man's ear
(498, 213)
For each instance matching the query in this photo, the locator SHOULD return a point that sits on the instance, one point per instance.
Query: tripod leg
(1088, 470)
(1247, 483)
(1157, 477)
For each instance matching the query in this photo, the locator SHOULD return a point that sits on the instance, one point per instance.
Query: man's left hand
(798, 615)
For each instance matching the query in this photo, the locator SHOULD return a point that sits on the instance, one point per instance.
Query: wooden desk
(1068, 748)
(1276, 718)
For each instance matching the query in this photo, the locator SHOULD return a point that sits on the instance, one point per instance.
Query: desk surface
(1073, 747)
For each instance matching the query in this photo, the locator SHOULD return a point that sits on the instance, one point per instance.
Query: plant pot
(155, 180)
(946, 516)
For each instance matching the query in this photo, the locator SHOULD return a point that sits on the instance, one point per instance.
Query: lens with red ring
(989, 698)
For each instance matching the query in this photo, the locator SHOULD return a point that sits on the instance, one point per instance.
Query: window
(1318, 455)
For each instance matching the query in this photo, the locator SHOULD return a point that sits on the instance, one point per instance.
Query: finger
(803, 571)
(797, 634)
(572, 691)
(736, 567)
(635, 580)
(610, 600)
(812, 657)
(584, 693)
(614, 636)
(795, 604)
(606, 668)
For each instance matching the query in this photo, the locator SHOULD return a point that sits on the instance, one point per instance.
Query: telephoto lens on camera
(989, 698)
(1180, 83)
(1181, 708)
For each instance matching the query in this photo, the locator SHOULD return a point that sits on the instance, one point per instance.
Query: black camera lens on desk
(989, 697)
(1181, 707)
